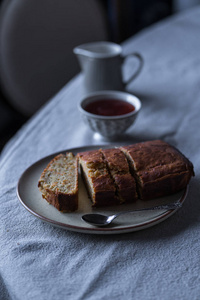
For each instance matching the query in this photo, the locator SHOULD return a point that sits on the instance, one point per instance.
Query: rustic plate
(31, 199)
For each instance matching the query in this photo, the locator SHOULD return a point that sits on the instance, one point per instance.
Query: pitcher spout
(83, 54)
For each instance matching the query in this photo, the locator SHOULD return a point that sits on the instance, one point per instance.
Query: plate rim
(91, 230)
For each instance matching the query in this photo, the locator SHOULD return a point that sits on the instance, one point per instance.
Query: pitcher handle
(141, 63)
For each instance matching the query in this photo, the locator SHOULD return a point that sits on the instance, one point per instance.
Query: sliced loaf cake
(119, 169)
(98, 181)
(113, 176)
(59, 182)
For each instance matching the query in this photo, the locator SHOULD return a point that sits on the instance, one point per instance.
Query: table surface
(39, 261)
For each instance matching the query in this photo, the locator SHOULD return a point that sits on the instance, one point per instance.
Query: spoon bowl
(102, 220)
(98, 219)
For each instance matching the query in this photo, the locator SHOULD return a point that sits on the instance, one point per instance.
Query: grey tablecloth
(39, 261)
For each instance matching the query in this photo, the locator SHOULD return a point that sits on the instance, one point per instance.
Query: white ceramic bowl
(109, 126)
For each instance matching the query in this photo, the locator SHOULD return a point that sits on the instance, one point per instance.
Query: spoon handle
(168, 206)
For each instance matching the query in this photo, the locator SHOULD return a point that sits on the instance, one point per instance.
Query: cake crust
(159, 168)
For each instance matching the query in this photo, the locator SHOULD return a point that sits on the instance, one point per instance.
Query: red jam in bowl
(109, 107)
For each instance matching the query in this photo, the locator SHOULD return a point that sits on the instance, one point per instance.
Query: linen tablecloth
(39, 261)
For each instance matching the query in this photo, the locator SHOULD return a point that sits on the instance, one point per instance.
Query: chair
(36, 43)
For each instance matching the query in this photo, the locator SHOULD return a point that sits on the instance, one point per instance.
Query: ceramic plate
(31, 199)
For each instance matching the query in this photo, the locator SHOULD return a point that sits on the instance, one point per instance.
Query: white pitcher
(102, 63)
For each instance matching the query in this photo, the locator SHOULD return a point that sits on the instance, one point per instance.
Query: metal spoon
(101, 220)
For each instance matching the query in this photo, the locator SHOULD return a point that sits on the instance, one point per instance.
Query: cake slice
(119, 170)
(100, 186)
(159, 168)
(59, 182)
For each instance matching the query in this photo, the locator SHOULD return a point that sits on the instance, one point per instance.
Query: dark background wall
(127, 17)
